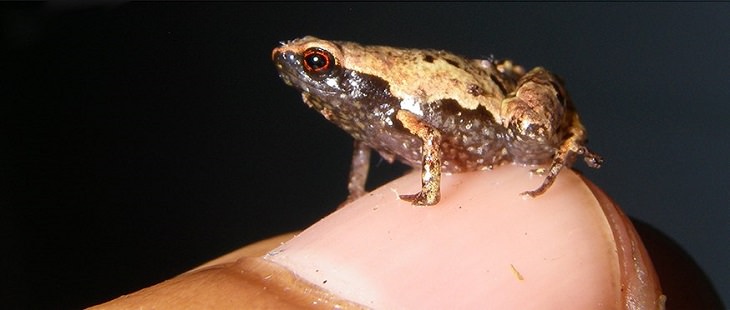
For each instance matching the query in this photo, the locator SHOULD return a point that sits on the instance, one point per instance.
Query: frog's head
(320, 70)
(329, 74)
(313, 67)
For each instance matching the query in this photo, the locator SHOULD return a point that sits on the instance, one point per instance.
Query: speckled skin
(484, 112)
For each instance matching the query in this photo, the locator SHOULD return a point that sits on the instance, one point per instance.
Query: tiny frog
(435, 110)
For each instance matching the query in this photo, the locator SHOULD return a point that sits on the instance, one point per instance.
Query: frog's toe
(538, 171)
(421, 199)
(532, 194)
(592, 159)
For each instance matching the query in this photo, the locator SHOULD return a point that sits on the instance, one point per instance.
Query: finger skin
(482, 245)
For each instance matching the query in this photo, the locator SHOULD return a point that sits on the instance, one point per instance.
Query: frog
(436, 110)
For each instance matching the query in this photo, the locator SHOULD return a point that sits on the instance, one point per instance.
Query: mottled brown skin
(435, 110)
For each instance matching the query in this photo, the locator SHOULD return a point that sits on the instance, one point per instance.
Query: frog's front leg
(358, 170)
(542, 126)
(430, 193)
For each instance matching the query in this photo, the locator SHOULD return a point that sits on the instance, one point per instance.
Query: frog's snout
(282, 62)
(275, 54)
(283, 59)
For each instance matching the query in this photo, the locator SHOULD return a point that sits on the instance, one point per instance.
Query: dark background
(140, 140)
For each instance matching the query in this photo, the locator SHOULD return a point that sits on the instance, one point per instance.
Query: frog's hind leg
(565, 155)
(542, 125)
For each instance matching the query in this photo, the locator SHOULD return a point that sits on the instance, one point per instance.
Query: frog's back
(426, 75)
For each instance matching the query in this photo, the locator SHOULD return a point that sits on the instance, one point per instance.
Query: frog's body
(434, 109)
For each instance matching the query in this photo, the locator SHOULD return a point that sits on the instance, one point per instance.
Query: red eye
(317, 60)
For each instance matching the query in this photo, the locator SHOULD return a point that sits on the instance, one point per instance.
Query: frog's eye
(317, 60)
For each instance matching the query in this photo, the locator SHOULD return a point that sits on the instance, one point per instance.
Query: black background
(140, 140)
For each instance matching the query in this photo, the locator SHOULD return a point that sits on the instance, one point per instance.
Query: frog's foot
(557, 165)
(592, 159)
(350, 198)
(422, 198)
(565, 155)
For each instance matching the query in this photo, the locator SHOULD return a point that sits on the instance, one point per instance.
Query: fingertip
(466, 251)
(640, 285)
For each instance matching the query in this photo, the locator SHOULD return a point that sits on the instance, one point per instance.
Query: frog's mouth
(288, 78)
(291, 77)
(297, 82)
(288, 67)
